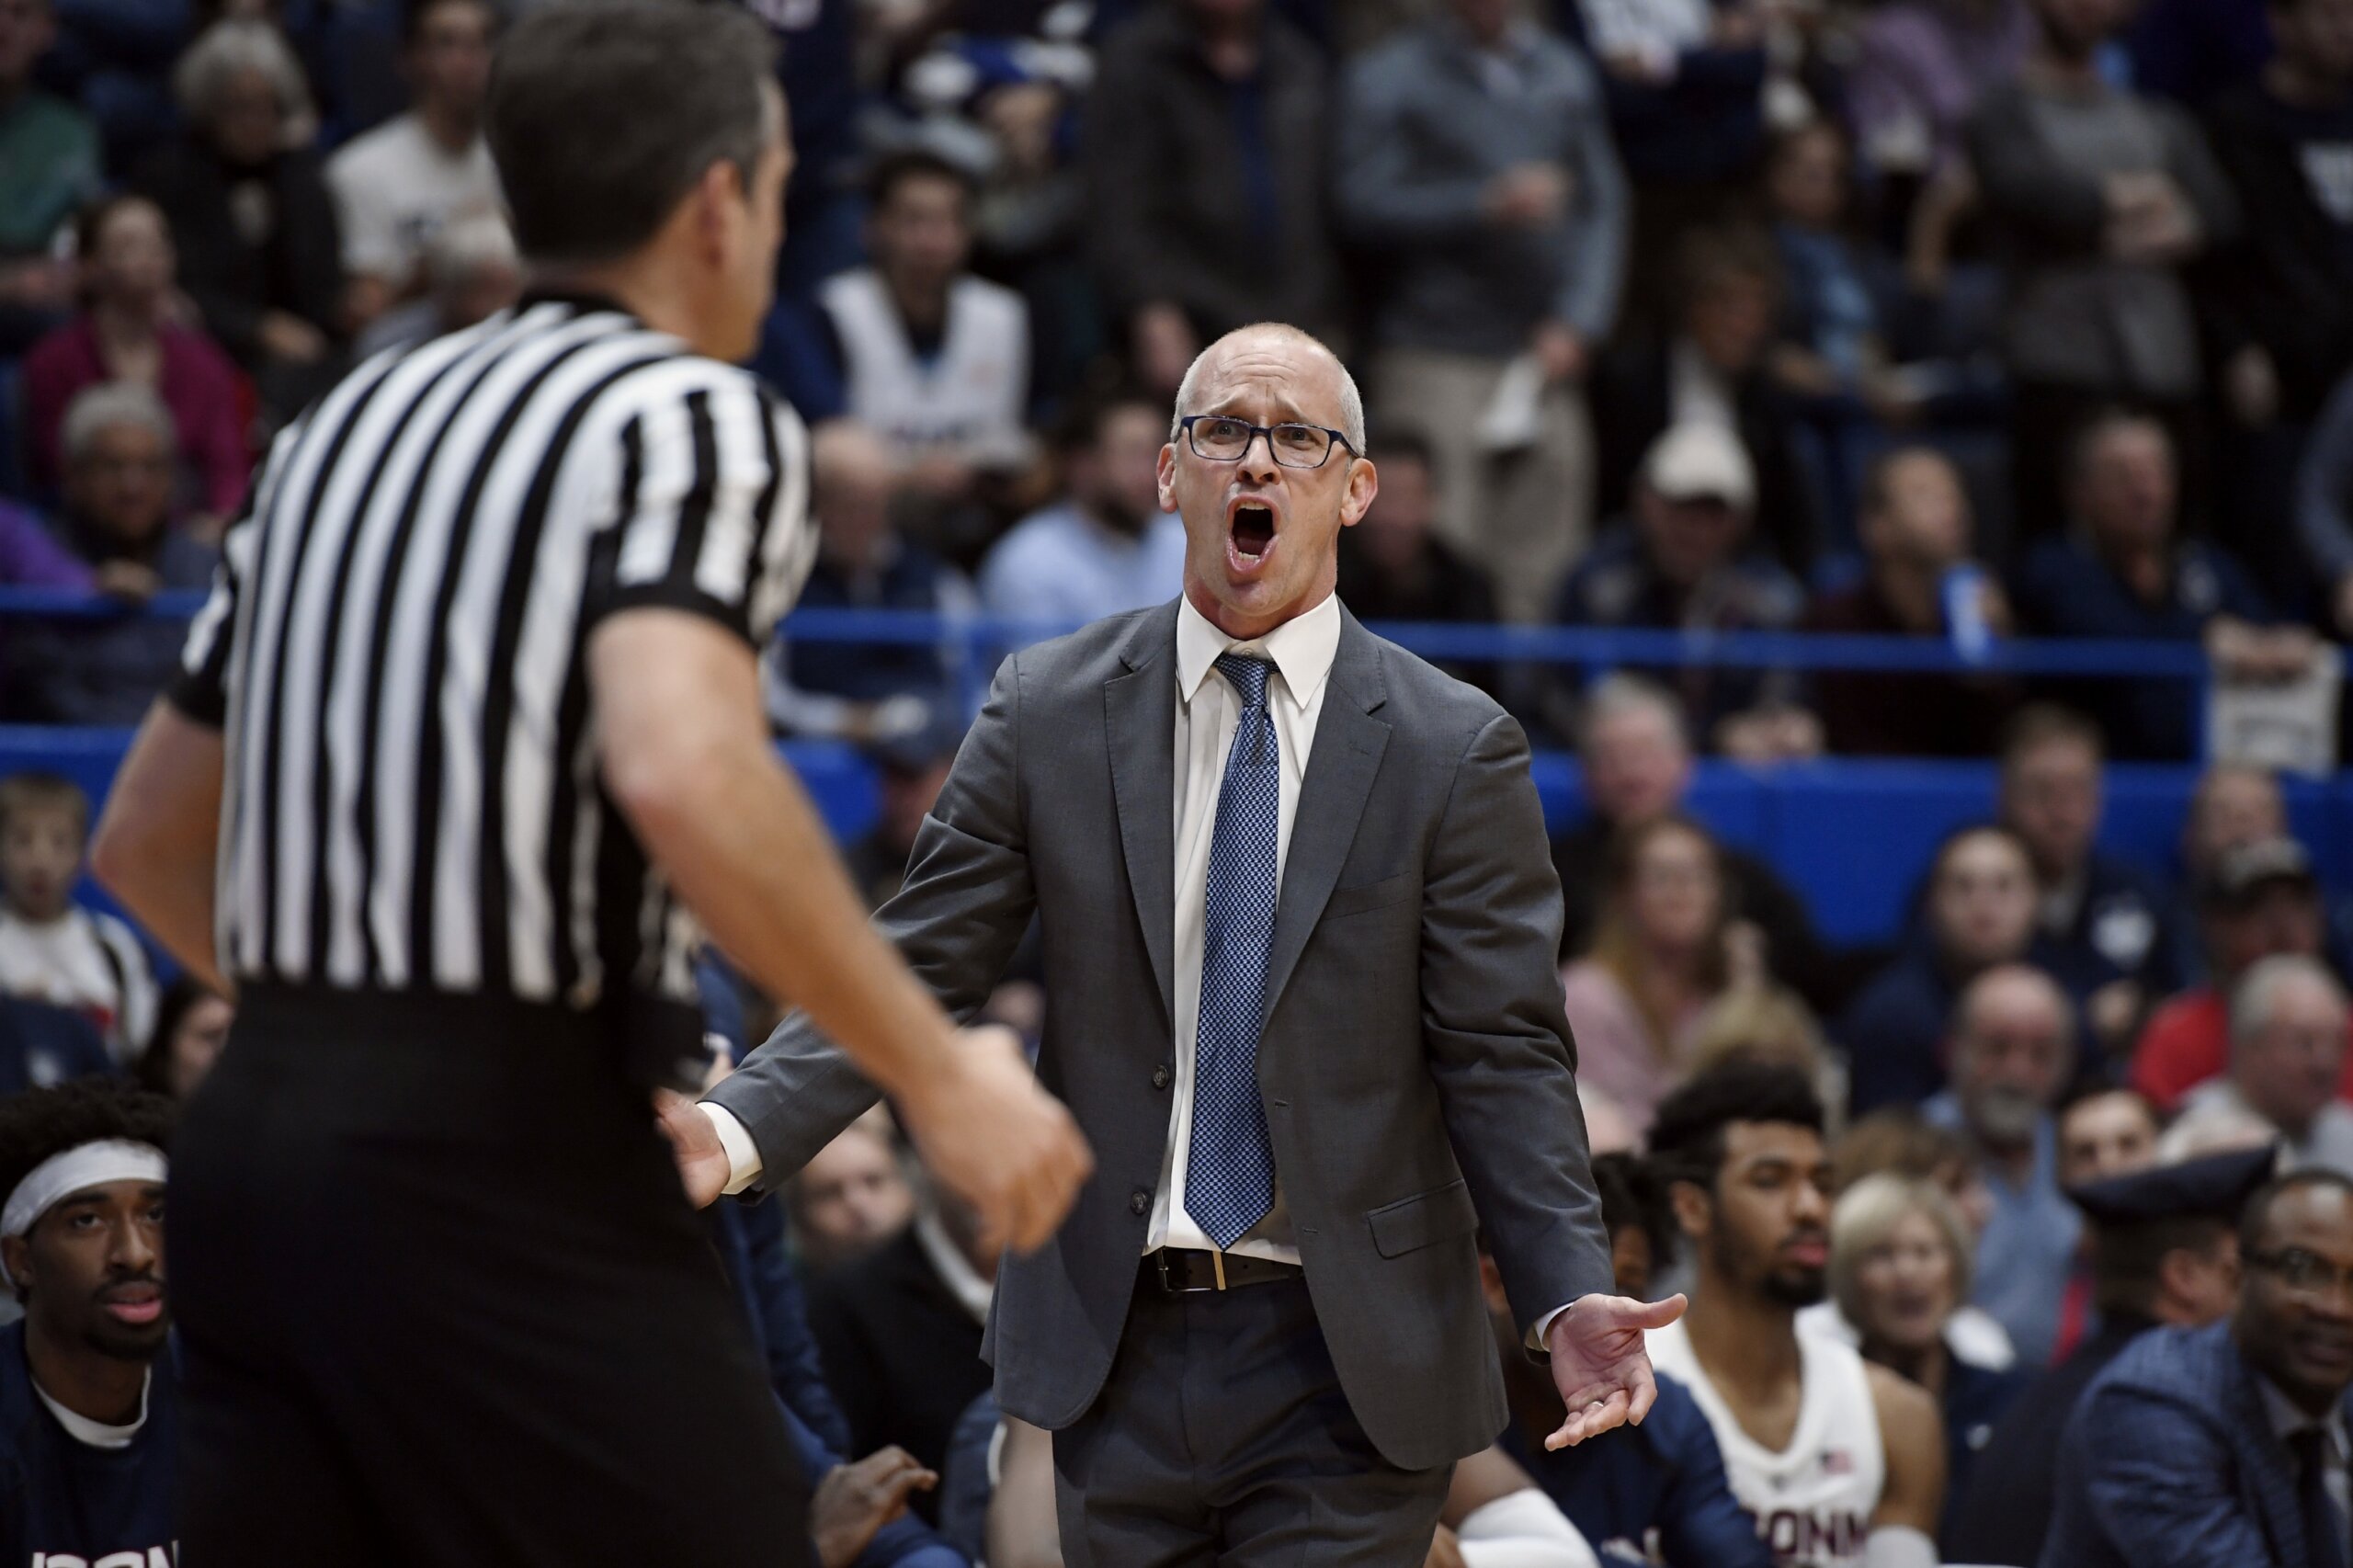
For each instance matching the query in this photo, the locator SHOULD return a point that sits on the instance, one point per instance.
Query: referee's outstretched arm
(685, 757)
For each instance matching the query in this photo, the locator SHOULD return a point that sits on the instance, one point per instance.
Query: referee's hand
(998, 1140)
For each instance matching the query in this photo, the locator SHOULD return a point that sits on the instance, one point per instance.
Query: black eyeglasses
(2305, 1273)
(1221, 438)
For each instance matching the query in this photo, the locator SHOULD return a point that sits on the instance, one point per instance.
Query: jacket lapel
(1341, 770)
(1140, 712)
(2272, 1467)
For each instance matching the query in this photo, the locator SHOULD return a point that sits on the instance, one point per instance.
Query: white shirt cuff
(1536, 1336)
(743, 1155)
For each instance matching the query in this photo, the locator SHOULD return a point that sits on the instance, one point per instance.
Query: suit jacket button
(1159, 1077)
(1138, 1201)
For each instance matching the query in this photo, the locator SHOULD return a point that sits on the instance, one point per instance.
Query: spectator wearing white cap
(88, 1427)
(1687, 560)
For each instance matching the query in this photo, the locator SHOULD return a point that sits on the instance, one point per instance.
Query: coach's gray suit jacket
(1416, 1065)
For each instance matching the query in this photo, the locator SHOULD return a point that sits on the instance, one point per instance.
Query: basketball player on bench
(1841, 1462)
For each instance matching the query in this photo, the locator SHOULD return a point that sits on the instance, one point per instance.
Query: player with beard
(1841, 1462)
(87, 1426)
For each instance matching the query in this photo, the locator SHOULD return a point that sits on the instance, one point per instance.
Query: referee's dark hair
(40, 1123)
(605, 114)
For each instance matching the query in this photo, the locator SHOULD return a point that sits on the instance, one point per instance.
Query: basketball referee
(468, 728)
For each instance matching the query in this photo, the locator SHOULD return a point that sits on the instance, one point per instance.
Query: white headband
(70, 1171)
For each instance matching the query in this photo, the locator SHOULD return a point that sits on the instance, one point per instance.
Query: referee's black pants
(442, 1300)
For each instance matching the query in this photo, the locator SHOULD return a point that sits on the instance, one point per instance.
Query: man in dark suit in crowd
(2226, 1444)
(1298, 934)
(2164, 1243)
(899, 1333)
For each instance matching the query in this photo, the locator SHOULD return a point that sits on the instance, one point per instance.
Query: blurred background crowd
(1980, 323)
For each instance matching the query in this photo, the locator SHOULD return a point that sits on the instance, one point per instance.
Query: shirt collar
(97, 1434)
(2287, 1418)
(1302, 648)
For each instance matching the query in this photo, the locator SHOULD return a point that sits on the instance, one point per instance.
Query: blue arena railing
(1568, 645)
(1852, 835)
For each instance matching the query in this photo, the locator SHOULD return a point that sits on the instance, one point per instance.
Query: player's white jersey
(1814, 1501)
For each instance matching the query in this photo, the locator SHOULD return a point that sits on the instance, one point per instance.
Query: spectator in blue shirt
(118, 445)
(2125, 571)
(2013, 1050)
(1474, 152)
(2107, 928)
(1107, 546)
(1686, 561)
(862, 692)
(1979, 912)
(816, 66)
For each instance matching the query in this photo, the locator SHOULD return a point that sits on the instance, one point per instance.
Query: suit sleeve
(967, 898)
(2163, 1498)
(1496, 1036)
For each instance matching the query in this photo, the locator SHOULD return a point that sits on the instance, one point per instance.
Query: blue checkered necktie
(1230, 1169)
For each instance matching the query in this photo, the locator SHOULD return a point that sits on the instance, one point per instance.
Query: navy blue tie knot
(1247, 675)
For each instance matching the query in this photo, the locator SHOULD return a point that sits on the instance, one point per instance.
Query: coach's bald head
(1263, 511)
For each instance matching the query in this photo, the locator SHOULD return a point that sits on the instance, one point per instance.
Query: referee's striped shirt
(394, 651)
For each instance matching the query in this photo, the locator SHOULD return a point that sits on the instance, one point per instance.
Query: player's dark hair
(604, 113)
(895, 169)
(2098, 1088)
(1688, 1138)
(1632, 1196)
(2256, 1216)
(40, 1123)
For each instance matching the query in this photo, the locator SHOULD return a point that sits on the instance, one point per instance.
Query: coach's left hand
(1599, 1364)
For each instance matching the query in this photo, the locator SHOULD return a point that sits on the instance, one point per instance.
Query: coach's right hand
(988, 1131)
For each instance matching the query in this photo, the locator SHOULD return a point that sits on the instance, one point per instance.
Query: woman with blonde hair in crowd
(1664, 950)
(1900, 1261)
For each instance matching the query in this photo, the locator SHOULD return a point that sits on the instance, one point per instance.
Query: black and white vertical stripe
(394, 651)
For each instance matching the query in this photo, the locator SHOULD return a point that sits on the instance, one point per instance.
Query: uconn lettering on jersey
(153, 1557)
(1798, 1536)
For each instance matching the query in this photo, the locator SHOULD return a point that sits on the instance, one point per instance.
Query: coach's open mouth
(1250, 531)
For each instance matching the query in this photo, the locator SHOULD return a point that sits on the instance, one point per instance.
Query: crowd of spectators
(1954, 320)
(1951, 320)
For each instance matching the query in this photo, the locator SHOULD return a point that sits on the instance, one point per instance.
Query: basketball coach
(467, 736)
(1300, 934)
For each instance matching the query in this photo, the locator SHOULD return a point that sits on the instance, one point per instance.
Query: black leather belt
(1181, 1270)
